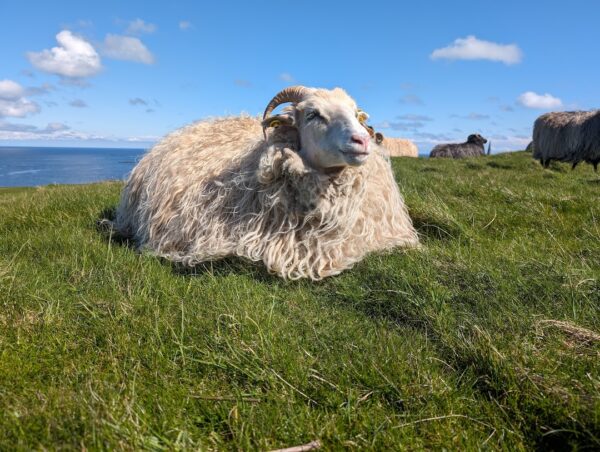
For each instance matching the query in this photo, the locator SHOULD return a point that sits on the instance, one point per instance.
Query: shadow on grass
(432, 228)
(226, 267)
(500, 165)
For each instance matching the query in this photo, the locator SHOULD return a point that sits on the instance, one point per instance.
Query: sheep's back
(182, 162)
(455, 150)
(400, 147)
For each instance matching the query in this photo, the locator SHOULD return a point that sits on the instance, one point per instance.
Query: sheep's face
(331, 131)
(477, 139)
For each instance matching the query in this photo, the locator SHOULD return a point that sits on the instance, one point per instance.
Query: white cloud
(546, 101)
(184, 25)
(286, 77)
(18, 108)
(12, 102)
(138, 26)
(126, 48)
(74, 57)
(471, 48)
(10, 90)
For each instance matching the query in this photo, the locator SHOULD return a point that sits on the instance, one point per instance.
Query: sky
(124, 74)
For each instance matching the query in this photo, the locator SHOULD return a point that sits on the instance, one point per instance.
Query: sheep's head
(476, 139)
(329, 125)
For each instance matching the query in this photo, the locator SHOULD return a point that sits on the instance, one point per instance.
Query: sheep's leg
(595, 163)
(574, 164)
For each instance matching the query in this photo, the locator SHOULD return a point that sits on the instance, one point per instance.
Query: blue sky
(126, 73)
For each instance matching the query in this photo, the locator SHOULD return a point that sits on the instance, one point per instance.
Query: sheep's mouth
(355, 152)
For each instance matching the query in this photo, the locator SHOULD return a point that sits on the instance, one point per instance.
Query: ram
(567, 137)
(304, 191)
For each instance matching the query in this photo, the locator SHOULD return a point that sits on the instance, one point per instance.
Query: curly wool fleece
(216, 189)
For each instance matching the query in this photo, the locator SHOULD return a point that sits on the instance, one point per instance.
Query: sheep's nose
(360, 139)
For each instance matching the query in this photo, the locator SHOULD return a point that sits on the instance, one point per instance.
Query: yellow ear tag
(275, 123)
(362, 116)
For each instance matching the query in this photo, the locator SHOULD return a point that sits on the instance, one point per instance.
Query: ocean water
(33, 166)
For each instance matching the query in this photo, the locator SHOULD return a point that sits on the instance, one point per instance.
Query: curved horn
(290, 94)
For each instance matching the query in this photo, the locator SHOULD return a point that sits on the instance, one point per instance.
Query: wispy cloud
(138, 26)
(286, 77)
(546, 101)
(126, 48)
(50, 128)
(74, 81)
(472, 116)
(243, 83)
(137, 101)
(73, 57)
(411, 117)
(61, 132)
(411, 99)
(185, 25)
(405, 126)
(433, 137)
(78, 103)
(471, 48)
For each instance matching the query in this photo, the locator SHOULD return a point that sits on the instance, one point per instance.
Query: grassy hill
(486, 338)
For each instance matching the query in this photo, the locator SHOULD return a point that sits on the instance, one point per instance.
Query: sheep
(304, 191)
(570, 136)
(396, 147)
(473, 147)
(400, 147)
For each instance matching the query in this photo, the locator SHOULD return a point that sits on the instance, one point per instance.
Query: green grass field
(486, 338)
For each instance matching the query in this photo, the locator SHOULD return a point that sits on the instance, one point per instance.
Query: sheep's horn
(290, 94)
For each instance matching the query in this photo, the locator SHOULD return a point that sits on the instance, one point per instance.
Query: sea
(22, 166)
(34, 166)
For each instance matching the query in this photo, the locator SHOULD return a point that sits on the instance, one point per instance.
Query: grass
(486, 338)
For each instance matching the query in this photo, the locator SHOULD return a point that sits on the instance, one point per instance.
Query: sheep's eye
(361, 116)
(312, 115)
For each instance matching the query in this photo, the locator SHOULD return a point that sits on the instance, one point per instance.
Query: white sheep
(310, 198)
(396, 147)
(400, 147)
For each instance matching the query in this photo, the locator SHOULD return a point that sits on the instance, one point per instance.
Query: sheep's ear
(284, 119)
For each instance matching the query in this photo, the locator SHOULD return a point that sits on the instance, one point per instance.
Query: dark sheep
(473, 147)
(570, 136)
